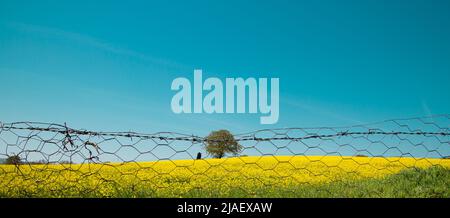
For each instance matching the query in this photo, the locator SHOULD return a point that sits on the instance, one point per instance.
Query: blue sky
(108, 66)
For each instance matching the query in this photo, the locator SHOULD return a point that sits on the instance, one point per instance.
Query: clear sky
(108, 66)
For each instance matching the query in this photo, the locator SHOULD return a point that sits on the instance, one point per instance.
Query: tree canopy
(221, 142)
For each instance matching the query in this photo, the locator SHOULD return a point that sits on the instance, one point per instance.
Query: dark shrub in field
(13, 160)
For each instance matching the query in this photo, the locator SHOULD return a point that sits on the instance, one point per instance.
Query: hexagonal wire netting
(53, 160)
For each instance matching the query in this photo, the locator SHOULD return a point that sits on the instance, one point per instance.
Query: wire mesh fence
(54, 160)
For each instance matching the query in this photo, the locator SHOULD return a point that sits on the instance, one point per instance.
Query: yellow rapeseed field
(211, 177)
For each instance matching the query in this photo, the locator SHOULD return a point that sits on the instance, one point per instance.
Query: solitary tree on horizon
(220, 142)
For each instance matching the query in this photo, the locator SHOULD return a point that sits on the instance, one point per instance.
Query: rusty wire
(42, 145)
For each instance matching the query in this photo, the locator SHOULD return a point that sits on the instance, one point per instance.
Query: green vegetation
(221, 142)
(13, 160)
(433, 182)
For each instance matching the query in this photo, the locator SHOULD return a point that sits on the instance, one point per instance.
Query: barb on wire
(68, 139)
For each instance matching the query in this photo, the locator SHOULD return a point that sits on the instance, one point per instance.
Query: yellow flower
(210, 177)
